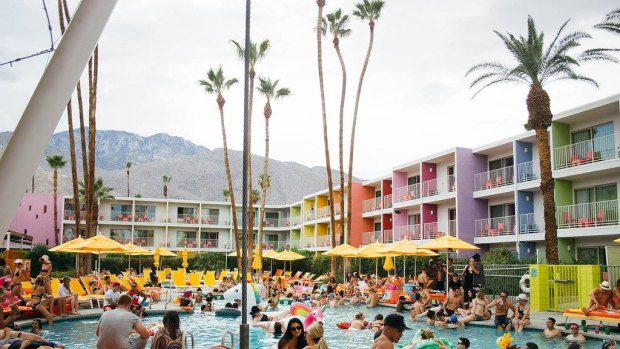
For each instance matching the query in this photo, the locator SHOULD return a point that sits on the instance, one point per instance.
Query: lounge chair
(76, 287)
(194, 279)
(209, 278)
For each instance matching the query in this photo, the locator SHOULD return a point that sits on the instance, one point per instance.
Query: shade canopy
(164, 252)
(448, 242)
(135, 250)
(389, 264)
(269, 254)
(344, 250)
(288, 255)
(67, 246)
(372, 251)
(407, 248)
(99, 244)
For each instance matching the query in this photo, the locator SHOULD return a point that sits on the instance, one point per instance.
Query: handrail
(232, 338)
(185, 333)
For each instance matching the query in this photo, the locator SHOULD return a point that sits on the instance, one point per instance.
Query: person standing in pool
(294, 337)
(551, 331)
(393, 328)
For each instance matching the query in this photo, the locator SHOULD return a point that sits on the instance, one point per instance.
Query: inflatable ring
(186, 309)
(522, 283)
(227, 312)
(343, 325)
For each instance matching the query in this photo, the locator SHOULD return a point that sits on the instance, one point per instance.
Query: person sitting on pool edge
(502, 305)
(600, 298)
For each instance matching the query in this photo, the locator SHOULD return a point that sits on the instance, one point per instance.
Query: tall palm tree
(56, 162)
(611, 22)
(100, 192)
(330, 186)
(337, 23)
(270, 90)
(128, 166)
(226, 194)
(536, 66)
(166, 180)
(216, 84)
(257, 53)
(368, 10)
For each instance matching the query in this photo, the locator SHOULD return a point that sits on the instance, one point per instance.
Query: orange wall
(359, 225)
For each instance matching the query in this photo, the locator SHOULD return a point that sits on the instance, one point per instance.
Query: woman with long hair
(294, 337)
(314, 337)
(40, 299)
(170, 336)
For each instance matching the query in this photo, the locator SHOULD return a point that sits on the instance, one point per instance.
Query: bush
(60, 261)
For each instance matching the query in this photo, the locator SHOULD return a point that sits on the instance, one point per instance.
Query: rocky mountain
(197, 172)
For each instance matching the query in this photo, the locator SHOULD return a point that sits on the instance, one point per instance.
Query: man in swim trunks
(502, 305)
(600, 298)
(453, 301)
(551, 331)
(616, 296)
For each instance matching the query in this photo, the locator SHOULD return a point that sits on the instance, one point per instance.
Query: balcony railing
(276, 245)
(527, 171)
(326, 240)
(187, 218)
(210, 219)
(308, 242)
(371, 205)
(387, 201)
(121, 239)
(296, 243)
(587, 152)
(296, 220)
(439, 186)
(276, 222)
(388, 236)
(371, 236)
(70, 215)
(494, 178)
(452, 227)
(187, 242)
(489, 227)
(322, 212)
(209, 243)
(431, 231)
(406, 193)
(527, 223)
(309, 216)
(592, 214)
(409, 232)
(121, 217)
(144, 241)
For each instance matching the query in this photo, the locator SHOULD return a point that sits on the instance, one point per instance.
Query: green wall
(566, 250)
(563, 192)
(560, 134)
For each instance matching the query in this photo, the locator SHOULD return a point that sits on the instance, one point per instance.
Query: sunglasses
(295, 328)
(44, 271)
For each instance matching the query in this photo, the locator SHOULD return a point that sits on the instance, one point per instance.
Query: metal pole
(244, 327)
(49, 99)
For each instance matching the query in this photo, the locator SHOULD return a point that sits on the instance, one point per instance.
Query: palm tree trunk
(263, 197)
(56, 207)
(250, 199)
(230, 184)
(92, 131)
(127, 183)
(341, 146)
(357, 103)
(539, 109)
(330, 189)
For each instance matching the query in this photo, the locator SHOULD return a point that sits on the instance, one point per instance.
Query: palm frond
(240, 49)
(598, 54)
(611, 22)
(282, 92)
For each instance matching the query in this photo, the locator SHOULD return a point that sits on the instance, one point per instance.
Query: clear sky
(415, 99)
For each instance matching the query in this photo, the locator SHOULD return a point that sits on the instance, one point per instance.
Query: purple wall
(35, 217)
(429, 171)
(468, 209)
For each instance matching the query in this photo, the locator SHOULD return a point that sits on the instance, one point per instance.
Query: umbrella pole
(405, 267)
(129, 266)
(447, 277)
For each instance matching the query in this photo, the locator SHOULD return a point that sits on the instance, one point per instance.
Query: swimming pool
(208, 329)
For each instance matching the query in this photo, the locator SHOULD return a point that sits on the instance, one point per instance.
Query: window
(377, 194)
(413, 180)
(120, 235)
(120, 212)
(606, 192)
(143, 237)
(594, 143)
(502, 217)
(377, 226)
(146, 213)
(271, 215)
(593, 255)
(44, 208)
(186, 239)
(501, 163)
(413, 219)
(209, 239)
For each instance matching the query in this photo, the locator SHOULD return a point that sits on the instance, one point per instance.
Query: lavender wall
(35, 217)
(468, 209)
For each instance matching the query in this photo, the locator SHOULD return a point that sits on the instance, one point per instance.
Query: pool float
(301, 311)
(504, 341)
(227, 312)
(429, 343)
(343, 325)
(187, 309)
(252, 295)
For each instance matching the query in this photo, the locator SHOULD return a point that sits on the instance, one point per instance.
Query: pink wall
(386, 187)
(400, 219)
(429, 171)
(359, 224)
(399, 179)
(427, 217)
(35, 217)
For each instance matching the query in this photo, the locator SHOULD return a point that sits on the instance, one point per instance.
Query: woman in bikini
(479, 311)
(523, 313)
(39, 299)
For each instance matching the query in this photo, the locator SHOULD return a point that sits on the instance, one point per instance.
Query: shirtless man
(574, 336)
(551, 331)
(599, 298)
(358, 323)
(393, 327)
(423, 278)
(417, 308)
(616, 296)
(502, 305)
(373, 298)
(453, 302)
(479, 310)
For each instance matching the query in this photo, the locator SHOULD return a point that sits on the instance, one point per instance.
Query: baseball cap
(116, 284)
(18, 261)
(45, 258)
(396, 321)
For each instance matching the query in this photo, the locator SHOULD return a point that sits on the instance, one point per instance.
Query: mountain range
(197, 172)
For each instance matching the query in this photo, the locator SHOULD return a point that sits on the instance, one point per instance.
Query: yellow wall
(321, 201)
(321, 229)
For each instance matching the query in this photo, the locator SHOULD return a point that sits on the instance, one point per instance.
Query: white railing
(371, 205)
(322, 212)
(452, 227)
(187, 218)
(439, 186)
(296, 220)
(296, 243)
(309, 216)
(387, 201)
(275, 245)
(144, 241)
(527, 171)
(326, 240)
(497, 226)
(406, 193)
(209, 243)
(308, 242)
(210, 219)
(494, 178)
(431, 231)
(388, 236)
(588, 215)
(527, 223)
(370, 237)
(586, 152)
(276, 222)
(408, 232)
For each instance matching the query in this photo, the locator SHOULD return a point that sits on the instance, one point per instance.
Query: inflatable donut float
(227, 312)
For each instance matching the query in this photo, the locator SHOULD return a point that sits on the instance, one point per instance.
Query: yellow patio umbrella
(99, 244)
(408, 248)
(135, 250)
(448, 243)
(344, 250)
(288, 255)
(184, 255)
(66, 247)
(164, 252)
(271, 254)
(156, 258)
(373, 251)
(388, 265)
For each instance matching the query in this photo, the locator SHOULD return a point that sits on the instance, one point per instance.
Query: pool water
(208, 329)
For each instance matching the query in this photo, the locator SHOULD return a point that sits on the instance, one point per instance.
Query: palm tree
(270, 90)
(100, 192)
(56, 162)
(216, 85)
(537, 66)
(330, 185)
(337, 24)
(369, 10)
(611, 22)
(226, 194)
(167, 180)
(128, 166)
(257, 53)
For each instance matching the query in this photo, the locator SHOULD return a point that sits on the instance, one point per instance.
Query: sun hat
(605, 286)
(45, 258)
(396, 321)
(18, 261)
(522, 297)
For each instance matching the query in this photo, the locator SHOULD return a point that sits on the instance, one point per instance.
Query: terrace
(587, 152)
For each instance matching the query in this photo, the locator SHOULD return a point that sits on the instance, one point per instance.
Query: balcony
(308, 242)
(408, 232)
(371, 205)
(498, 226)
(407, 193)
(296, 220)
(122, 217)
(186, 243)
(310, 215)
(187, 218)
(144, 241)
(210, 219)
(371, 236)
(209, 243)
(276, 222)
(594, 214)
(326, 241)
(276, 245)
(452, 227)
(69, 215)
(527, 171)
(296, 243)
(439, 186)
(388, 236)
(431, 231)
(387, 201)
(322, 212)
(586, 152)
(527, 223)
(494, 178)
